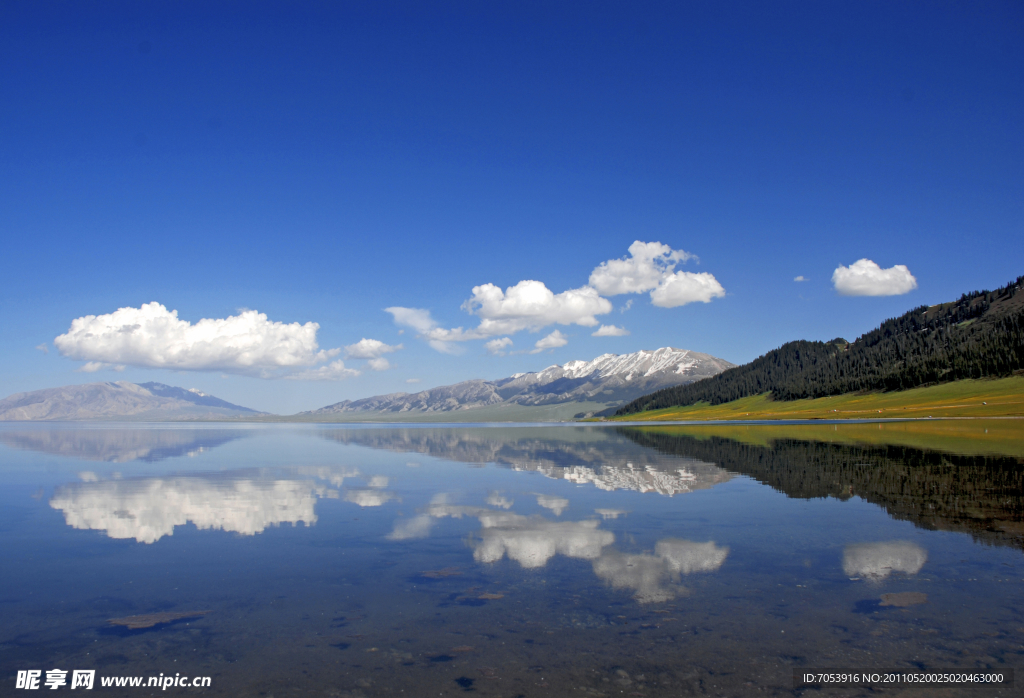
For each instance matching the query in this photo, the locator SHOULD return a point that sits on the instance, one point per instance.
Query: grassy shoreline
(1002, 397)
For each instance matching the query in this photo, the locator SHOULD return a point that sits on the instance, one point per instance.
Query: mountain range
(118, 400)
(575, 389)
(557, 393)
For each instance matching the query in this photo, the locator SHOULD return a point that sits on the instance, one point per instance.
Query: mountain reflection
(147, 509)
(583, 455)
(113, 445)
(979, 495)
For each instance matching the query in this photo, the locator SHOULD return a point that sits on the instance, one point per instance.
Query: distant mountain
(120, 400)
(557, 392)
(980, 335)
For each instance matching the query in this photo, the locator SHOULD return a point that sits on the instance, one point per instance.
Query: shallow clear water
(500, 561)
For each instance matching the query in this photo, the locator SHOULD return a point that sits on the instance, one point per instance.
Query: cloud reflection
(368, 497)
(879, 560)
(147, 509)
(555, 504)
(654, 578)
(532, 541)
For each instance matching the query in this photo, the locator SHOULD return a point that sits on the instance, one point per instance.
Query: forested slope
(978, 336)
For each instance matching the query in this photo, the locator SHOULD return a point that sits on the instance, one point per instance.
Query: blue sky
(321, 162)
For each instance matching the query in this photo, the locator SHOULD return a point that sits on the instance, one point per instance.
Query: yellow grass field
(1003, 397)
(997, 436)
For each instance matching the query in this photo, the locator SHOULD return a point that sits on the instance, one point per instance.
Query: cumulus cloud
(610, 513)
(334, 371)
(154, 337)
(799, 278)
(416, 318)
(380, 364)
(369, 349)
(413, 380)
(552, 341)
(497, 347)
(651, 266)
(686, 287)
(879, 560)
(43, 348)
(643, 270)
(91, 367)
(610, 331)
(530, 305)
(865, 278)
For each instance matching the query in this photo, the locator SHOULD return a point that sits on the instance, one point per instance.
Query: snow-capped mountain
(607, 381)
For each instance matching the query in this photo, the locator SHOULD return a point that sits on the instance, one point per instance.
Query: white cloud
(686, 287)
(865, 278)
(645, 268)
(416, 318)
(445, 347)
(651, 266)
(334, 371)
(496, 347)
(369, 349)
(380, 364)
(91, 367)
(552, 341)
(610, 513)
(530, 305)
(43, 348)
(413, 380)
(610, 331)
(154, 337)
(799, 278)
(879, 560)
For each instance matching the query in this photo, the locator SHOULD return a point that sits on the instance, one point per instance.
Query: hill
(577, 388)
(981, 335)
(119, 400)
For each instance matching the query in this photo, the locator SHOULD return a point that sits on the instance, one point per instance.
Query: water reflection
(244, 502)
(147, 509)
(879, 560)
(114, 445)
(655, 578)
(975, 494)
(586, 455)
(532, 541)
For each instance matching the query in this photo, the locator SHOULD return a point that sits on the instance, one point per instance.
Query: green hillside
(980, 335)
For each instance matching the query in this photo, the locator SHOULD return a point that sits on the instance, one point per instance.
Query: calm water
(525, 561)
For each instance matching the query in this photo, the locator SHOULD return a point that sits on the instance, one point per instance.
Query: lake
(534, 560)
